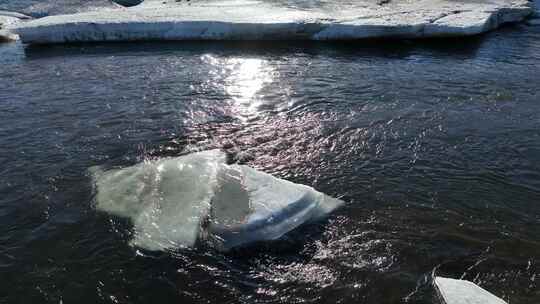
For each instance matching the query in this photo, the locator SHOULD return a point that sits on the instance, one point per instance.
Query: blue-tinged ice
(176, 202)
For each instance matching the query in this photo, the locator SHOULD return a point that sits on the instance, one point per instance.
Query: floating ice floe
(274, 20)
(453, 291)
(177, 202)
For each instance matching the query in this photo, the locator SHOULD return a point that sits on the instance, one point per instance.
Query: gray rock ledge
(256, 20)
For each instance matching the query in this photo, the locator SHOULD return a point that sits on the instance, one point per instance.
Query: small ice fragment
(454, 291)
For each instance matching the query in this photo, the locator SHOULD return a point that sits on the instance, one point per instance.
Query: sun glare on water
(242, 80)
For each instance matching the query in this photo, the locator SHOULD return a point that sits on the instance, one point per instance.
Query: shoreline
(151, 21)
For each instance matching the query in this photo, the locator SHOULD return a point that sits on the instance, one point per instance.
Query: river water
(433, 145)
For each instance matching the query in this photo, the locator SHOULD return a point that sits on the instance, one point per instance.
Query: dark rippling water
(434, 146)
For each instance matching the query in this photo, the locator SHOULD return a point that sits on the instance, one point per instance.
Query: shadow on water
(464, 47)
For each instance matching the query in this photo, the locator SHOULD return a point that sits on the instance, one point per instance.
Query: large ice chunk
(174, 202)
(165, 199)
(464, 292)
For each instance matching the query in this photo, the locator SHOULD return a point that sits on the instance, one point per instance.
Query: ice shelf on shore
(177, 202)
(264, 20)
(454, 291)
(536, 6)
(43, 8)
(8, 20)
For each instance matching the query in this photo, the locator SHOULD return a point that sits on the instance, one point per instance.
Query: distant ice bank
(276, 20)
(9, 20)
(177, 202)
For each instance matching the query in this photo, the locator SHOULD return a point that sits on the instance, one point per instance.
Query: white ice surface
(173, 202)
(258, 20)
(165, 199)
(276, 206)
(464, 292)
(8, 20)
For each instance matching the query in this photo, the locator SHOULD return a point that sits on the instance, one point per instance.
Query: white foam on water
(174, 202)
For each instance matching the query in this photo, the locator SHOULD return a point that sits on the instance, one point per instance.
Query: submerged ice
(177, 202)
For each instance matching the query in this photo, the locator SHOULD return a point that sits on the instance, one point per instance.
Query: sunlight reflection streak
(242, 80)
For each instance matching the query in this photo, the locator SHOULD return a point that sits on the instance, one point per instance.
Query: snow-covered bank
(255, 20)
(8, 20)
(452, 291)
(176, 202)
